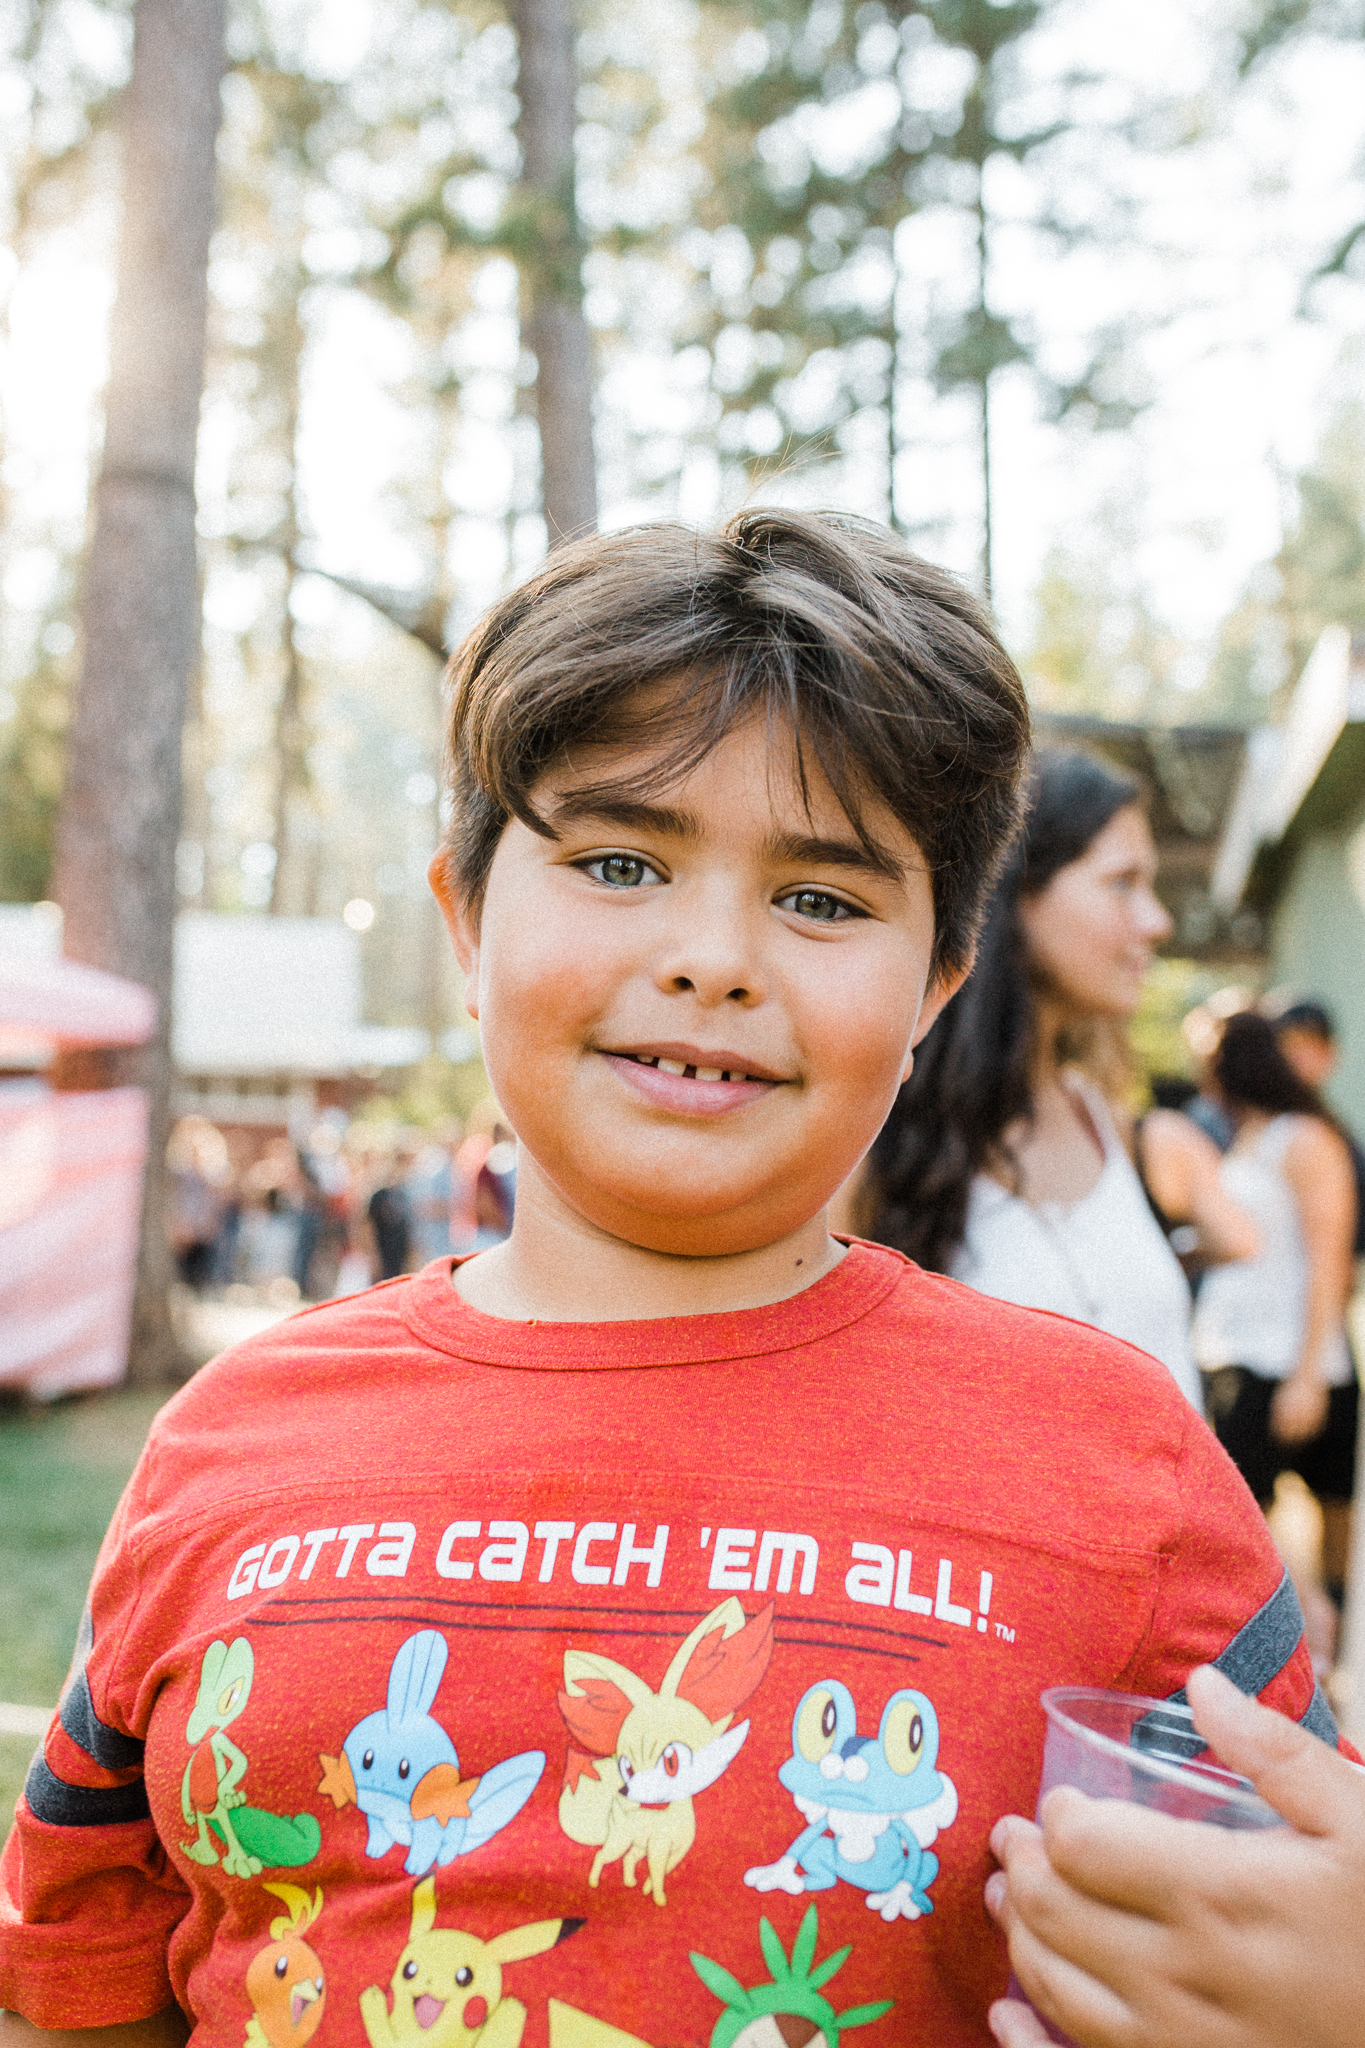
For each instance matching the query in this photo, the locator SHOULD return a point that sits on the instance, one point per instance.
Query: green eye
(621, 870)
(818, 905)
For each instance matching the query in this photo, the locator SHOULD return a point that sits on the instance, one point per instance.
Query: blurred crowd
(349, 1204)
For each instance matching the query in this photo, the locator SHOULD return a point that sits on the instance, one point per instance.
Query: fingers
(1016, 2026)
(1032, 1897)
(1128, 1856)
(1316, 1790)
(1085, 2009)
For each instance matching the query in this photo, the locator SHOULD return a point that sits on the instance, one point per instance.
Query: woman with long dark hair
(1271, 1330)
(1002, 1162)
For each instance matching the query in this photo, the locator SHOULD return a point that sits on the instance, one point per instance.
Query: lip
(724, 1057)
(679, 1096)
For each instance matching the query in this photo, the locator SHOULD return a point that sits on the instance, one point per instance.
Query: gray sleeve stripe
(61, 1805)
(1320, 1720)
(1260, 1650)
(106, 1745)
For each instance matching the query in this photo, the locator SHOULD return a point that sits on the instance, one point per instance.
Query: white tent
(70, 1171)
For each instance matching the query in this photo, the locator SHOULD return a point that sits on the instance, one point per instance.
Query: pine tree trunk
(553, 326)
(120, 812)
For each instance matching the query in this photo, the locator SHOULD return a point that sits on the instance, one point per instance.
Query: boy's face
(697, 1009)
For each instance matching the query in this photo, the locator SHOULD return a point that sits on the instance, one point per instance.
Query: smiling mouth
(302, 1997)
(683, 1070)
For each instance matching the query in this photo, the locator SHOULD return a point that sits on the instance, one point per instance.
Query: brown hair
(888, 672)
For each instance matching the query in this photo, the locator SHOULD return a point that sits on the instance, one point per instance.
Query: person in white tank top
(1270, 1332)
(1001, 1162)
(1103, 1258)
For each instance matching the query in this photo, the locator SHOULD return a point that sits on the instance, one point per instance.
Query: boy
(614, 1639)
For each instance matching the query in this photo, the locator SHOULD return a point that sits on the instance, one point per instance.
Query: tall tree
(552, 265)
(53, 156)
(842, 122)
(120, 814)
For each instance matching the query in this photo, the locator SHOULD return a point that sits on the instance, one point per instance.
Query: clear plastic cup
(1115, 1745)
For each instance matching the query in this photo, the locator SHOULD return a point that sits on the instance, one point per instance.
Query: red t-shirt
(454, 1679)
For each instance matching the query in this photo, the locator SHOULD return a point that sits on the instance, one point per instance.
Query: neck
(1050, 1020)
(559, 1267)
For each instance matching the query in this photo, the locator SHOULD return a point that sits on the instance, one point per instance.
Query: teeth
(671, 1066)
(710, 1074)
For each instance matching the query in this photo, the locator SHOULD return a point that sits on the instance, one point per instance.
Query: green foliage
(1172, 989)
(31, 754)
(810, 317)
(1315, 579)
(1097, 647)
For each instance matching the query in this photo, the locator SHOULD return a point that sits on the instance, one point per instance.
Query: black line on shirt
(863, 1649)
(865, 1628)
(610, 1613)
(505, 1628)
(509, 1607)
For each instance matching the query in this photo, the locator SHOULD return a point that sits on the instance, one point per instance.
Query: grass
(62, 1470)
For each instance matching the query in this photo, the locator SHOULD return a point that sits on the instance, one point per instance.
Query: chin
(710, 1225)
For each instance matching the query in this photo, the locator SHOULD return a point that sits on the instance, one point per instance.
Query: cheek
(542, 980)
(1073, 933)
(859, 1024)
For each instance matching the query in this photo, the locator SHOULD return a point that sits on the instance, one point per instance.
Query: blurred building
(268, 1021)
(1293, 852)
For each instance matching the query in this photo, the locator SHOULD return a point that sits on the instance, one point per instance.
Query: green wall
(1317, 948)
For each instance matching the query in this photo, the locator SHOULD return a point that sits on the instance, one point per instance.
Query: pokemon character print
(285, 1981)
(874, 1804)
(212, 1797)
(644, 1755)
(447, 1987)
(403, 1771)
(790, 2011)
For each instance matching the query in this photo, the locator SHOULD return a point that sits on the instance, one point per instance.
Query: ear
(597, 1697)
(423, 1908)
(937, 997)
(415, 1675)
(461, 921)
(520, 1942)
(726, 1667)
(586, 1664)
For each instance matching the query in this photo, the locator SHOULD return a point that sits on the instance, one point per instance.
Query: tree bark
(552, 266)
(120, 811)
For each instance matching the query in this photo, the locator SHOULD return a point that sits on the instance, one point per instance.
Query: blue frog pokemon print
(873, 1804)
(402, 1770)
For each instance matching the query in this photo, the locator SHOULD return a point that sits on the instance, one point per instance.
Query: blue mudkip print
(403, 1771)
(873, 1803)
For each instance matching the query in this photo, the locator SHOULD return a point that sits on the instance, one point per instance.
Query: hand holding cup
(1132, 1929)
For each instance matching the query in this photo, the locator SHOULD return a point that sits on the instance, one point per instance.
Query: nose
(855, 1763)
(1154, 919)
(712, 952)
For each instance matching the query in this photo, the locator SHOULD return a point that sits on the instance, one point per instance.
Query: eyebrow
(802, 849)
